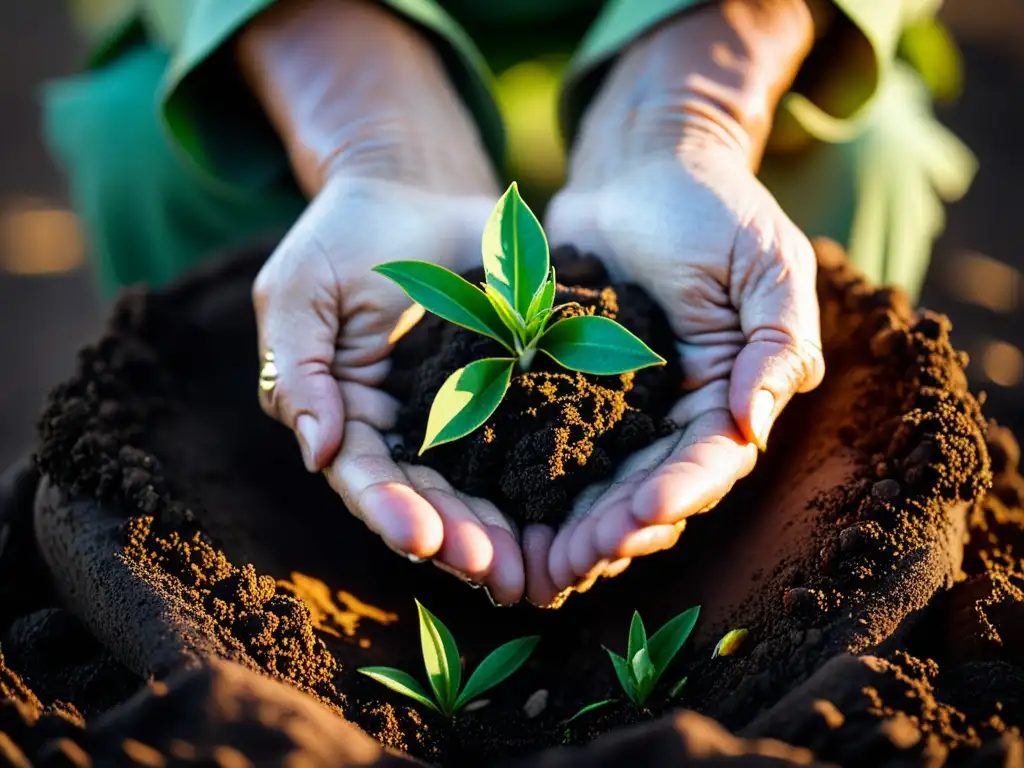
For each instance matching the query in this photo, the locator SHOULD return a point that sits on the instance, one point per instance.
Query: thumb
(297, 319)
(779, 317)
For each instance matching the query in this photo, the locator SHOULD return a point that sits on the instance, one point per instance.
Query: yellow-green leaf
(664, 644)
(440, 657)
(400, 682)
(590, 708)
(625, 676)
(644, 674)
(498, 665)
(467, 399)
(730, 643)
(449, 296)
(637, 636)
(544, 299)
(597, 345)
(508, 316)
(515, 251)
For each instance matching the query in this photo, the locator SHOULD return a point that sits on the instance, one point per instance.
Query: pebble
(536, 703)
(476, 706)
(886, 490)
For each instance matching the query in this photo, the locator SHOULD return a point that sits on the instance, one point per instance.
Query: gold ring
(268, 372)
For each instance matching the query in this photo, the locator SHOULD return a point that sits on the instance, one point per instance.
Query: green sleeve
(623, 21)
(215, 122)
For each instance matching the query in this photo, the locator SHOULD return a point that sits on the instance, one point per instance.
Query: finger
(537, 539)
(467, 548)
(559, 565)
(371, 374)
(707, 462)
(376, 491)
(297, 320)
(780, 319)
(583, 554)
(369, 405)
(649, 539)
(616, 567)
(506, 580)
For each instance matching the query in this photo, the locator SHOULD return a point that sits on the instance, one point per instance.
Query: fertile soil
(556, 431)
(176, 539)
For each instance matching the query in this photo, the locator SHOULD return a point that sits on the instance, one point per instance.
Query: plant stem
(526, 359)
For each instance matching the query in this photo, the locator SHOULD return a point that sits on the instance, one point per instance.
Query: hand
(395, 170)
(665, 193)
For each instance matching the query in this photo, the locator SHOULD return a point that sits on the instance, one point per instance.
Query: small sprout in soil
(677, 689)
(730, 643)
(590, 708)
(444, 668)
(647, 659)
(515, 307)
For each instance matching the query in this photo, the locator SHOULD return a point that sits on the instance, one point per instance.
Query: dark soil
(878, 579)
(556, 431)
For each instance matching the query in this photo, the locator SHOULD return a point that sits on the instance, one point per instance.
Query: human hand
(395, 170)
(666, 194)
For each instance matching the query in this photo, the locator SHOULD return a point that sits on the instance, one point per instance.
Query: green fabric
(170, 159)
(147, 215)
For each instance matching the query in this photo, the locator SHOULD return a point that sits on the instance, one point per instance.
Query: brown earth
(556, 431)
(880, 583)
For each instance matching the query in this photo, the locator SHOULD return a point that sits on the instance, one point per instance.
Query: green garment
(170, 160)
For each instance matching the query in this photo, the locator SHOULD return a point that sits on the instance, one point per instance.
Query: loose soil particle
(843, 553)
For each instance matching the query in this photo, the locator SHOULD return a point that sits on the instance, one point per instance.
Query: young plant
(514, 307)
(444, 668)
(647, 659)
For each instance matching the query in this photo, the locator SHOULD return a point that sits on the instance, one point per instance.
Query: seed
(536, 703)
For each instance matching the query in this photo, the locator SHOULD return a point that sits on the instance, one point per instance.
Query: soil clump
(878, 576)
(556, 431)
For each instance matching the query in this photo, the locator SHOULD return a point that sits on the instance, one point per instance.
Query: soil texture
(556, 431)
(873, 555)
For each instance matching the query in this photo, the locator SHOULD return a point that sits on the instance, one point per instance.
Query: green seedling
(646, 660)
(730, 643)
(444, 668)
(514, 307)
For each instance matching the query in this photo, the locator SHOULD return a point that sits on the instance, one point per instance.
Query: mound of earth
(177, 548)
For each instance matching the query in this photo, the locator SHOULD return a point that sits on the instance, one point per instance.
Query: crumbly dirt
(556, 431)
(876, 573)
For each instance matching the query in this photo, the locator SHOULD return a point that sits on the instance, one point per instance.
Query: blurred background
(49, 305)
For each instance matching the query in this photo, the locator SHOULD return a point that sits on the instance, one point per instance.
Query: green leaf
(730, 643)
(598, 345)
(637, 636)
(543, 299)
(501, 663)
(677, 688)
(467, 399)
(669, 640)
(400, 682)
(590, 708)
(622, 671)
(515, 251)
(536, 325)
(449, 296)
(440, 657)
(643, 672)
(509, 316)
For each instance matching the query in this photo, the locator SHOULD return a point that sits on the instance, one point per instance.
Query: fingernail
(457, 574)
(762, 410)
(494, 602)
(306, 427)
(411, 558)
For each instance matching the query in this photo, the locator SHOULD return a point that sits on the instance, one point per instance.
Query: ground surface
(44, 318)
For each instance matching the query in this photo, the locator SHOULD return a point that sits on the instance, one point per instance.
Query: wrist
(715, 74)
(353, 90)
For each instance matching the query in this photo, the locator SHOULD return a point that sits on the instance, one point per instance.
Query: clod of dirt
(556, 431)
(847, 541)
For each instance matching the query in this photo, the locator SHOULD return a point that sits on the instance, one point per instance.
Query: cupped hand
(331, 324)
(736, 278)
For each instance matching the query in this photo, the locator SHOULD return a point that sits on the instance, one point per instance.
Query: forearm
(717, 71)
(351, 88)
